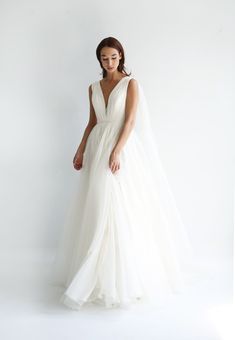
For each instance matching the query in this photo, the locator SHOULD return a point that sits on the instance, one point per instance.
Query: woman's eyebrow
(104, 55)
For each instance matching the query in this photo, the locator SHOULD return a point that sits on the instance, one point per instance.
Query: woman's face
(109, 58)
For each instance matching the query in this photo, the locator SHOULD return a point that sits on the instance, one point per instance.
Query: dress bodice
(115, 110)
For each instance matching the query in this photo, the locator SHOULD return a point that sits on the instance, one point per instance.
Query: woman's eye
(107, 59)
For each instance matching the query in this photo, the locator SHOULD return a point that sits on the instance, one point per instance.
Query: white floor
(29, 309)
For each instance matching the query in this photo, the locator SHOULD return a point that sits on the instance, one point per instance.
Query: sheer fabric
(123, 240)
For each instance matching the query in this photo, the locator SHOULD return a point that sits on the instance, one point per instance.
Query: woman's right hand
(77, 160)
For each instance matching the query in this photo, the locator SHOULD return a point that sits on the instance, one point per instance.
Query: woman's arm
(77, 160)
(91, 123)
(130, 112)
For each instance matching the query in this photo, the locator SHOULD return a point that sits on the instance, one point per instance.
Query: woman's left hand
(114, 161)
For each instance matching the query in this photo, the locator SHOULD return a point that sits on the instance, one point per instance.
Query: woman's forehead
(108, 51)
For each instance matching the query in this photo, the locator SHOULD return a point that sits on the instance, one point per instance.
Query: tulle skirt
(123, 240)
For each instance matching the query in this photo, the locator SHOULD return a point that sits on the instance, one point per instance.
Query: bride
(123, 240)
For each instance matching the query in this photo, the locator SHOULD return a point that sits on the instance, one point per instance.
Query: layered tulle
(123, 240)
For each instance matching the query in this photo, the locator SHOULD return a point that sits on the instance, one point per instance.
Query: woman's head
(110, 54)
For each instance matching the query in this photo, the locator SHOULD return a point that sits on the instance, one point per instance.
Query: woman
(111, 63)
(123, 241)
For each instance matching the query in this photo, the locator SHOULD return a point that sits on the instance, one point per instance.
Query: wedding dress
(123, 240)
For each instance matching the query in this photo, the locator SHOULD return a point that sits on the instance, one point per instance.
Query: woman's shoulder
(133, 79)
(91, 85)
(133, 82)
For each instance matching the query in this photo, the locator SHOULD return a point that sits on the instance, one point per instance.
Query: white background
(183, 54)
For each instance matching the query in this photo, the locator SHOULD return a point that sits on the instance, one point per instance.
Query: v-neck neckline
(106, 106)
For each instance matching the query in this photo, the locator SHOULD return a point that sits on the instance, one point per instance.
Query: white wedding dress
(123, 240)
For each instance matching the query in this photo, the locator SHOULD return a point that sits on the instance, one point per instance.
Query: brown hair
(114, 43)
